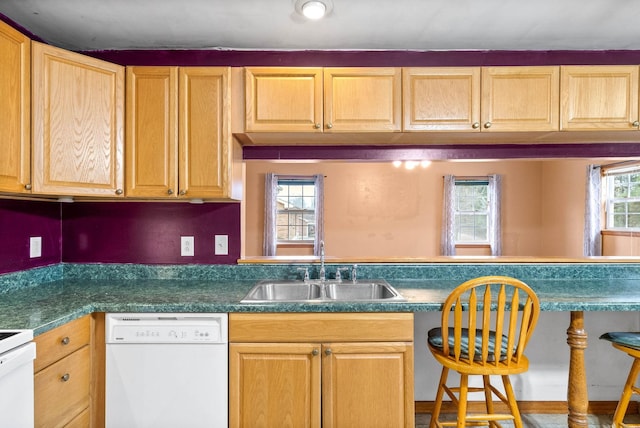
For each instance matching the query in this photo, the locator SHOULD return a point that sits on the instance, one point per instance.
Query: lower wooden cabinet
(321, 370)
(62, 379)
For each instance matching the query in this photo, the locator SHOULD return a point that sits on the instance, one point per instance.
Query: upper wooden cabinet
(77, 124)
(599, 97)
(178, 132)
(15, 111)
(283, 99)
(322, 100)
(520, 98)
(441, 99)
(484, 99)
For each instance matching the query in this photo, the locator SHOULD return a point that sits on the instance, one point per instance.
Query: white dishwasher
(17, 352)
(166, 370)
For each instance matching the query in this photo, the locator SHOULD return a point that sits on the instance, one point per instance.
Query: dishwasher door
(16, 387)
(166, 370)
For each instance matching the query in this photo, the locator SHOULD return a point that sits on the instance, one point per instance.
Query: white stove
(17, 352)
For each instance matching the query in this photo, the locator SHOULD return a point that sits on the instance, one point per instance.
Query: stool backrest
(499, 315)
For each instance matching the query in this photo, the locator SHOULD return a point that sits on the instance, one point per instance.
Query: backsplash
(148, 232)
(20, 220)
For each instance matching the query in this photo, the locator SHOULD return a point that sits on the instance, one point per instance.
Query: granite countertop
(45, 304)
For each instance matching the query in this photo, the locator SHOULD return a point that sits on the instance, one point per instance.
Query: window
(293, 211)
(471, 213)
(623, 198)
(296, 210)
(471, 222)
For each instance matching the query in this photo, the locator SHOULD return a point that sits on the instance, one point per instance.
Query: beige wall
(377, 210)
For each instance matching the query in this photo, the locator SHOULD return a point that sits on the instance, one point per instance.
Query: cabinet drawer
(61, 391)
(80, 421)
(320, 327)
(61, 341)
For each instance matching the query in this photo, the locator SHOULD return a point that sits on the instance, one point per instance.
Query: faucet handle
(354, 273)
(339, 274)
(306, 273)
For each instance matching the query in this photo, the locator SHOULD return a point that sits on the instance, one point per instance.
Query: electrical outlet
(221, 245)
(186, 246)
(35, 246)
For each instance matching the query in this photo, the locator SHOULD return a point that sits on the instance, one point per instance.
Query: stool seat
(628, 342)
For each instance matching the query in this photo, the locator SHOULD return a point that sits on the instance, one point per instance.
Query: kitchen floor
(544, 421)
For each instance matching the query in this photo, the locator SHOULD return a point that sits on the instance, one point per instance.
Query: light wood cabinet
(178, 132)
(323, 100)
(62, 377)
(520, 99)
(77, 124)
(599, 97)
(487, 99)
(328, 370)
(441, 99)
(15, 111)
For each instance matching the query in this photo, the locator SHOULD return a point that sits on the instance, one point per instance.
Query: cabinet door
(520, 98)
(274, 385)
(15, 110)
(152, 131)
(362, 99)
(61, 391)
(78, 124)
(367, 385)
(283, 99)
(205, 132)
(599, 97)
(441, 99)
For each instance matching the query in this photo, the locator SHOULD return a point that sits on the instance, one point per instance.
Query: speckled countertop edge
(44, 298)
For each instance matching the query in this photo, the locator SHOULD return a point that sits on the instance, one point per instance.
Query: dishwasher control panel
(166, 328)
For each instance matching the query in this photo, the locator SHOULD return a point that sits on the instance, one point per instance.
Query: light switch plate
(221, 245)
(35, 246)
(186, 246)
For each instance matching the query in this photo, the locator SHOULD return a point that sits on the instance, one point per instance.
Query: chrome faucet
(322, 275)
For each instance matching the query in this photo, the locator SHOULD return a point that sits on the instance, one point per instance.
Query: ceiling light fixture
(313, 9)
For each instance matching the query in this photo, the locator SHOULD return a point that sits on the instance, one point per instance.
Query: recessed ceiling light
(313, 9)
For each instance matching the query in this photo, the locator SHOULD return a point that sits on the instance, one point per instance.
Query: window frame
(470, 181)
(296, 181)
(610, 199)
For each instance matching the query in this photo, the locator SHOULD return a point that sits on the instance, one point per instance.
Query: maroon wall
(19, 220)
(147, 232)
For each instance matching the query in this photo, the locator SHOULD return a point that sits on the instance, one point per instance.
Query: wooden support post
(577, 395)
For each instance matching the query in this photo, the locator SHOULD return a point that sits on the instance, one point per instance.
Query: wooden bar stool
(481, 335)
(628, 342)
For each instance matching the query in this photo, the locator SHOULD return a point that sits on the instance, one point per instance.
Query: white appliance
(17, 352)
(166, 370)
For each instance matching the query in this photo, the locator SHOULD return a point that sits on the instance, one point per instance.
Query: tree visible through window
(471, 222)
(623, 199)
(296, 210)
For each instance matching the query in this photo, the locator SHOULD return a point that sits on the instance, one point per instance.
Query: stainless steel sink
(377, 290)
(374, 290)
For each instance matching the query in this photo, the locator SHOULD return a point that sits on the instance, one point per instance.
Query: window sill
(628, 233)
(473, 246)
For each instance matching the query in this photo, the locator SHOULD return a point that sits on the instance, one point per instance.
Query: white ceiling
(84, 25)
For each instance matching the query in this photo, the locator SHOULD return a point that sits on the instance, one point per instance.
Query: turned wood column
(577, 395)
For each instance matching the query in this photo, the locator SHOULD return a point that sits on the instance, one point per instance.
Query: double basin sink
(293, 291)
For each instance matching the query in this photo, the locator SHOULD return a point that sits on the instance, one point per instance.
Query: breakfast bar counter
(48, 297)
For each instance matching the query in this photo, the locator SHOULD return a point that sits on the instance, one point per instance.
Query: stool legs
(627, 392)
(439, 395)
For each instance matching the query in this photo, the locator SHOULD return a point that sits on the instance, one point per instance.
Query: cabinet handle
(118, 192)
(317, 126)
(65, 340)
(65, 377)
(27, 186)
(183, 192)
(475, 125)
(329, 126)
(487, 125)
(636, 124)
(170, 192)
(328, 351)
(315, 352)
